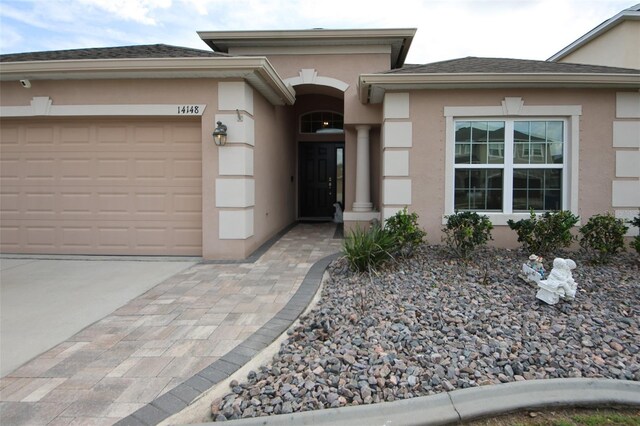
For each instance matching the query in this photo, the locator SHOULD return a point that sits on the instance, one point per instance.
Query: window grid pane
(478, 189)
(538, 142)
(479, 142)
(538, 189)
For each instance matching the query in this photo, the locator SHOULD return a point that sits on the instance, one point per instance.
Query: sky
(447, 29)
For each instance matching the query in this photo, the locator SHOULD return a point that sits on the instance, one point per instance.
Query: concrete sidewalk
(162, 338)
(43, 302)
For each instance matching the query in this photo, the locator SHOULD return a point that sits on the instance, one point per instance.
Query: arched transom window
(321, 122)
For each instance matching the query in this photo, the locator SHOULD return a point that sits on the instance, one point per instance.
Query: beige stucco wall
(274, 168)
(427, 156)
(618, 47)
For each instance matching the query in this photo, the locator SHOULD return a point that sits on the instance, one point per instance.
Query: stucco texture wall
(617, 47)
(274, 170)
(427, 156)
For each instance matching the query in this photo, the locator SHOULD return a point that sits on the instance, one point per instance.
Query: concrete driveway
(43, 302)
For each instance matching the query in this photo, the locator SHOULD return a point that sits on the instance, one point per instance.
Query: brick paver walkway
(160, 339)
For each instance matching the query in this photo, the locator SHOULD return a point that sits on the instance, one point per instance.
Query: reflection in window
(481, 166)
(538, 189)
(479, 142)
(538, 142)
(321, 122)
(478, 189)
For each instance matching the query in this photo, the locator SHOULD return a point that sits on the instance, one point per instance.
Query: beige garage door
(101, 187)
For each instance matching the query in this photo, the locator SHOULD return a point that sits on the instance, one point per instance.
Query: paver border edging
(467, 404)
(180, 397)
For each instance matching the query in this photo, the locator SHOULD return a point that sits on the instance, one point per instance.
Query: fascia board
(233, 67)
(268, 37)
(595, 33)
(222, 41)
(368, 82)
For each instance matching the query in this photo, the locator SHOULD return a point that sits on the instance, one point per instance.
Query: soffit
(257, 71)
(399, 39)
(372, 87)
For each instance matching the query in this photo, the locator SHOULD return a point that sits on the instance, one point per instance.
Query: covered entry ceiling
(129, 187)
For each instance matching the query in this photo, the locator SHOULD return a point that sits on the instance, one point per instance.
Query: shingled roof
(507, 66)
(122, 52)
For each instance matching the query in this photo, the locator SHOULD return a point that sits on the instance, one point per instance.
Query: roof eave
(373, 86)
(596, 32)
(221, 41)
(258, 71)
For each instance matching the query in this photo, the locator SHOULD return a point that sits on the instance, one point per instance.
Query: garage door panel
(10, 168)
(76, 137)
(39, 170)
(9, 136)
(112, 237)
(101, 188)
(101, 203)
(39, 136)
(76, 170)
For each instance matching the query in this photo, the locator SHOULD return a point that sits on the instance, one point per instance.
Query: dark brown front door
(319, 183)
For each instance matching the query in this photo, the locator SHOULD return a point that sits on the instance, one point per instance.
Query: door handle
(329, 183)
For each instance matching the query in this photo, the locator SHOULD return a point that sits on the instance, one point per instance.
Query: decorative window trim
(513, 107)
(43, 106)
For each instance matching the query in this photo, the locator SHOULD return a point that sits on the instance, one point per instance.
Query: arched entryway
(319, 112)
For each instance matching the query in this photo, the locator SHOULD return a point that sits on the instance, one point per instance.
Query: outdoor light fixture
(220, 134)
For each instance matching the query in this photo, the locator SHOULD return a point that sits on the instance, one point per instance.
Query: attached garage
(118, 186)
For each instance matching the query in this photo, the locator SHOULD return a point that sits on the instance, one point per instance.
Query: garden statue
(337, 217)
(533, 270)
(559, 283)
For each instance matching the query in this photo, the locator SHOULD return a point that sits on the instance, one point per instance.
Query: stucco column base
(362, 207)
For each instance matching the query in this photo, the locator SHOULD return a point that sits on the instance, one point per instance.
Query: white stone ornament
(559, 284)
(532, 271)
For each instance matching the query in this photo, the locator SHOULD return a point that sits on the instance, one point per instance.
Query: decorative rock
(616, 346)
(432, 329)
(349, 359)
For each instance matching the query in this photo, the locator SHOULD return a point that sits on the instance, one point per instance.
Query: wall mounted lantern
(220, 134)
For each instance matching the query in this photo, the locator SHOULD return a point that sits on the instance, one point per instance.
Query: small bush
(603, 236)
(635, 243)
(404, 227)
(545, 234)
(367, 250)
(467, 231)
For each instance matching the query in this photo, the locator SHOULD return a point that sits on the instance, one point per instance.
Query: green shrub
(545, 234)
(466, 231)
(367, 250)
(635, 243)
(603, 236)
(406, 231)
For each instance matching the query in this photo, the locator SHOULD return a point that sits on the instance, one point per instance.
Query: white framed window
(504, 160)
(509, 165)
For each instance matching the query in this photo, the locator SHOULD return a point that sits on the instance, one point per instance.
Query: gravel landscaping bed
(432, 324)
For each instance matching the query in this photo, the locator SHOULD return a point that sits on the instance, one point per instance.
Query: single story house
(110, 150)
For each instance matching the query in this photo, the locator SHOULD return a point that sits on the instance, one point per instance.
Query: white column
(363, 184)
